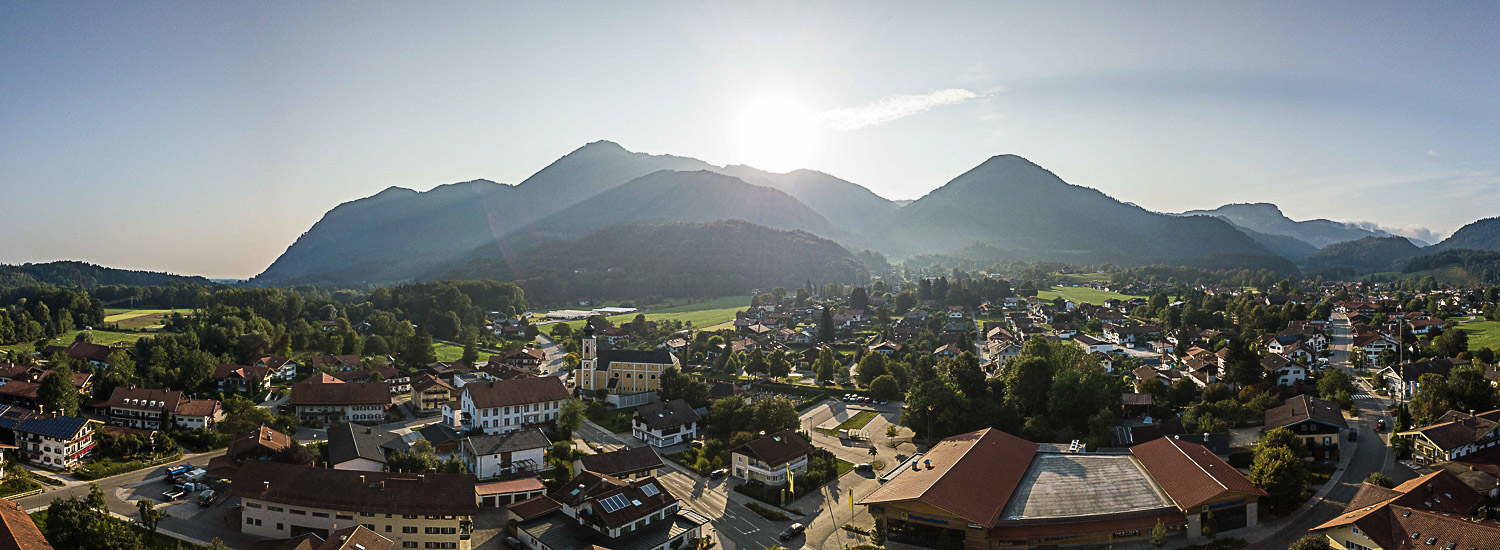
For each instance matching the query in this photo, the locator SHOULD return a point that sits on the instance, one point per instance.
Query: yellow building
(429, 393)
(626, 377)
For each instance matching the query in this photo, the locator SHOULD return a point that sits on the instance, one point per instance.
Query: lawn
(1081, 294)
(702, 314)
(1482, 334)
(856, 422)
(449, 351)
(115, 315)
(102, 337)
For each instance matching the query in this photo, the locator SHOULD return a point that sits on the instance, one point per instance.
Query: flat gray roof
(1060, 485)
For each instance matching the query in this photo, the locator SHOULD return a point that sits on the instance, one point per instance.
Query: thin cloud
(894, 107)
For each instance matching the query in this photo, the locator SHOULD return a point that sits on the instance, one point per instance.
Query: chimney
(266, 485)
(927, 463)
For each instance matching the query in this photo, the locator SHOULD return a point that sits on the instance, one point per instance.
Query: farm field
(452, 351)
(702, 314)
(1081, 294)
(1482, 334)
(102, 337)
(137, 319)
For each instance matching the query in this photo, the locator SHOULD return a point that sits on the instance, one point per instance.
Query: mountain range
(1006, 204)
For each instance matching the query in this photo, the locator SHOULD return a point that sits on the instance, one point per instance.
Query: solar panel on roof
(614, 503)
(649, 490)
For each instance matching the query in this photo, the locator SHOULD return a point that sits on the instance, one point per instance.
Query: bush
(767, 513)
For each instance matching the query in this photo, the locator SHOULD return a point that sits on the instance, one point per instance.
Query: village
(944, 413)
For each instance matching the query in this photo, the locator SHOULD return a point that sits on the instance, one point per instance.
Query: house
(525, 357)
(515, 452)
(1130, 334)
(1318, 423)
(281, 368)
(429, 393)
(593, 512)
(629, 463)
(503, 405)
(443, 438)
(1284, 371)
(355, 447)
(625, 377)
(771, 459)
(144, 408)
(413, 510)
(886, 348)
(334, 363)
(1403, 379)
(52, 442)
(396, 381)
(1426, 326)
(1372, 344)
(1454, 435)
(17, 531)
(326, 399)
(1435, 511)
(664, 424)
(261, 443)
(88, 352)
(243, 378)
(989, 489)
(947, 351)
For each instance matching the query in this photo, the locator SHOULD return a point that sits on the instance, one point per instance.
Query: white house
(1283, 370)
(490, 456)
(664, 424)
(500, 406)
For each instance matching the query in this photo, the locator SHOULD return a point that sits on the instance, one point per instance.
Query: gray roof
(557, 530)
(350, 441)
(657, 357)
(667, 414)
(508, 442)
(623, 461)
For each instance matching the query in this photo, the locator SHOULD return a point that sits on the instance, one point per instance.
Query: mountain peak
(601, 147)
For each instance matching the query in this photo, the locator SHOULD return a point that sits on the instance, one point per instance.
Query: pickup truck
(172, 473)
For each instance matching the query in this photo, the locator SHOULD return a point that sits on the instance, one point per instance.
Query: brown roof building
(324, 398)
(989, 488)
(1433, 511)
(17, 531)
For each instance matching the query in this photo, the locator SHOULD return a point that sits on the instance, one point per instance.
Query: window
(252, 505)
(387, 528)
(280, 527)
(319, 515)
(409, 529)
(297, 512)
(369, 526)
(342, 516)
(409, 544)
(275, 509)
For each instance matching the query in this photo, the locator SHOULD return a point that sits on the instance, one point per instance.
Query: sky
(203, 138)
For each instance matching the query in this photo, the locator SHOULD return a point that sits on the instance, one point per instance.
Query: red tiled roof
(523, 485)
(17, 531)
(971, 475)
(1190, 473)
(326, 390)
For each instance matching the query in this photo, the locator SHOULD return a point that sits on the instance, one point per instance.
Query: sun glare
(775, 132)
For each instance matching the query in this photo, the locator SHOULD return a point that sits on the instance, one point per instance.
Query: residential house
(249, 379)
(590, 511)
(628, 464)
(1320, 424)
(1403, 379)
(1091, 344)
(281, 368)
(326, 399)
(1283, 370)
(52, 442)
(1435, 511)
(356, 447)
(1130, 334)
(334, 363)
(413, 510)
(144, 408)
(665, 423)
(504, 405)
(261, 443)
(886, 348)
(429, 394)
(88, 352)
(771, 459)
(1454, 435)
(511, 453)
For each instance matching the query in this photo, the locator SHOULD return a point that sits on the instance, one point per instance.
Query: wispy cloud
(894, 107)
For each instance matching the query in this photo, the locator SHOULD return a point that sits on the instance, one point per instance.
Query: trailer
(174, 494)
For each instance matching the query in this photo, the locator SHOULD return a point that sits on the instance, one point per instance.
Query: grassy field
(856, 422)
(702, 314)
(1482, 334)
(451, 351)
(140, 319)
(1081, 294)
(102, 337)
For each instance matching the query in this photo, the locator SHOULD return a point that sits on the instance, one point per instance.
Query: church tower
(589, 349)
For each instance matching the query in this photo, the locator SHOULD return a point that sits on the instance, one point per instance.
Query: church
(622, 377)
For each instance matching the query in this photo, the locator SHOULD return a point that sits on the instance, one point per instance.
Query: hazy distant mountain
(76, 274)
(1367, 255)
(667, 196)
(1480, 235)
(1287, 247)
(668, 260)
(844, 204)
(1014, 205)
(1267, 218)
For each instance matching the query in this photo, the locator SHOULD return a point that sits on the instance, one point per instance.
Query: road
(1370, 455)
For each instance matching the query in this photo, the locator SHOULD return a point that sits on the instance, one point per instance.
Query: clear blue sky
(204, 137)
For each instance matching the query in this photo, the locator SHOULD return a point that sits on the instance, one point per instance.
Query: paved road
(1370, 455)
(554, 355)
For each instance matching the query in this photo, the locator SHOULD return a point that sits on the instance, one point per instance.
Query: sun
(775, 132)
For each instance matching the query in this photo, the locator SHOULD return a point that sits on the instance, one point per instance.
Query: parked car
(513, 543)
(716, 474)
(1353, 435)
(1380, 425)
(792, 531)
(864, 467)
